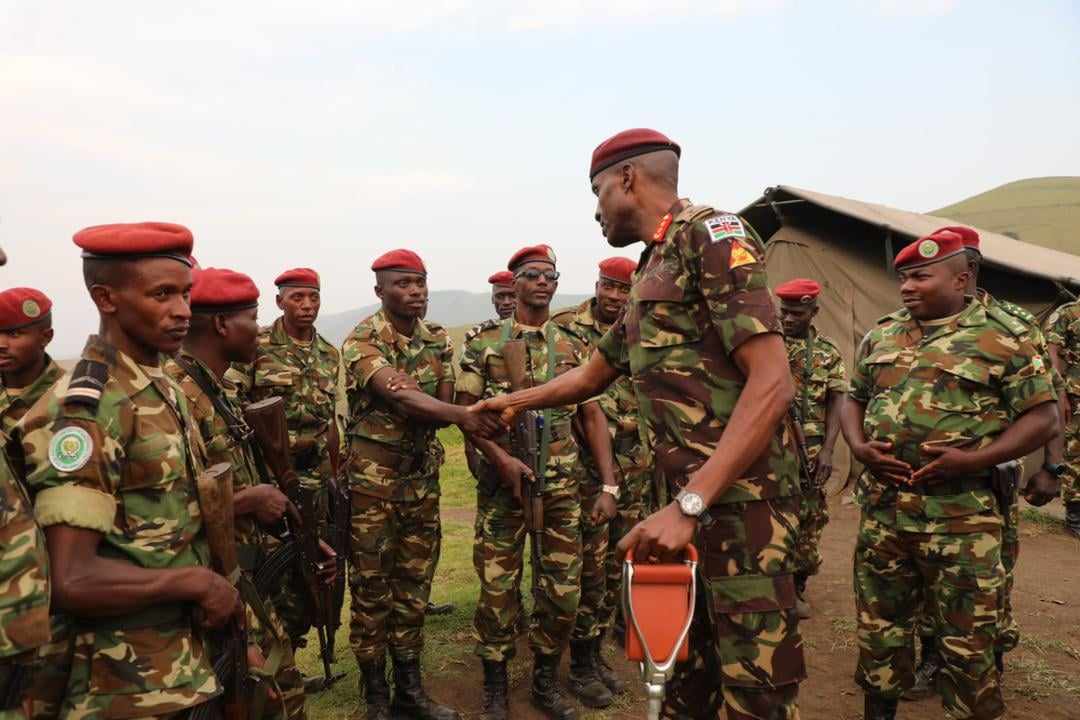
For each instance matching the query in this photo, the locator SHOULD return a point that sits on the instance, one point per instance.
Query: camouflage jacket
(1038, 337)
(221, 445)
(1063, 330)
(112, 448)
(306, 376)
(817, 369)
(13, 405)
(552, 351)
(390, 455)
(958, 384)
(699, 293)
(618, 402)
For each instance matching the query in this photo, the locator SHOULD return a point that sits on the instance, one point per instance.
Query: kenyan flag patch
(722, 227)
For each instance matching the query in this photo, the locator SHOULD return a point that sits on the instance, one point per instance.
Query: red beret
(298, 277)
(402, 260)
(220, 290)
(970, 236)
(22, 306)
(933, 248)
(799, 290)
(503, 277)
(124, 241)
(619, 269)
(535, 253)
(628, 144)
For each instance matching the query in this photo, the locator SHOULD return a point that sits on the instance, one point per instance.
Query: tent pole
(889, 254)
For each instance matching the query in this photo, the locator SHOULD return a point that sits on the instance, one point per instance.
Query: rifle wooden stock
(271, 432)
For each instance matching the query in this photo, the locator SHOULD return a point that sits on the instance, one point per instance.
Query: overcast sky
(289, 133)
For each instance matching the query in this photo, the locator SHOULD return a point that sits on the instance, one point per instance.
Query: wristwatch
(1055, 469)
(612, 490)
(693, 505)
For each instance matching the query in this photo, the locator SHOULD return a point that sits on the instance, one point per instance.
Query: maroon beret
(619, 269)
(533, 253)
(219, 290)
(23, 306)
(970, 236)
(124, 241)
(799, 290)
(933, 248)
(298, 277)
(503, 277)
(401, 260)
(628, 144)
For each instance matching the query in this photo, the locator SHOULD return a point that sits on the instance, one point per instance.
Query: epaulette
(895, 316)
(565, 316)
(1011, 322)
(88, 380)
(480, 328)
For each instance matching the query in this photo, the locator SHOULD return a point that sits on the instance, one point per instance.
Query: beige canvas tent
(848, 246)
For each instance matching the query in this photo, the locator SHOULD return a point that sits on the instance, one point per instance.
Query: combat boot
(1072, 518)
(930, 664)
(410, 700)
(607, 673)
(374, 688)
(585, 681)
(876, 707)
(802, 606)
(546, 695)
(496, 691)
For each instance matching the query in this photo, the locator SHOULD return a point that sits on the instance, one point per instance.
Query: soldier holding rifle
(530, 486)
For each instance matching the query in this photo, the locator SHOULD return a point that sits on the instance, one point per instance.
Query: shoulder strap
(236, 425)
(88, 380)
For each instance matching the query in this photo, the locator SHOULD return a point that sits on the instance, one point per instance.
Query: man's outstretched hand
(500, 406)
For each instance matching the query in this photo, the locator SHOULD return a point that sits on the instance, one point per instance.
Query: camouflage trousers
(594, 552)
(395, 547)
(288, 681)
(499, 556)
(958, 579)
(745, 647)
(634, 505)
(1070, 481)
(813, 517)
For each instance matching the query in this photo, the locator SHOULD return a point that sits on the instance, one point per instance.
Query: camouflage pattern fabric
(306, 376)
(395, 545)
(394, 481)
(124, 467)
(392, 456)
(700, 292)
(499, 558)
(1063, 329)
(619, 405)
(501, 546)
(15, 403)
(817, 369)
(963, 380)
(221, 445)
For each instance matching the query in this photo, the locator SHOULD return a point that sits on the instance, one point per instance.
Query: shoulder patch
(88, 380)
(70, 449)
(725, 226)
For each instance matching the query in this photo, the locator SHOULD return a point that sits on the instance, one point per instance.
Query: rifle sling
(220, 406)
(549, 338)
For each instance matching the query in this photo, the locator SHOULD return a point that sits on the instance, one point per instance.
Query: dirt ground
(1042, 679)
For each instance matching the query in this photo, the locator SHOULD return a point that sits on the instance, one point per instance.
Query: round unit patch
(70, 449)
(928, 248)
(31, 309)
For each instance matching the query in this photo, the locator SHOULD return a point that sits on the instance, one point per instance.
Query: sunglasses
(534, 275)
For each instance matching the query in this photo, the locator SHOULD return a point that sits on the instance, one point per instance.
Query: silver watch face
(691, 504)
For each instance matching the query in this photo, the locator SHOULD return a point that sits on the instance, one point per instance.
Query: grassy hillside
(1044, 211)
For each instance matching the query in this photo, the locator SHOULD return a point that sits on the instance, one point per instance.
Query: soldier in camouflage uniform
(224, 305)
(820, 385)
(297, 364)
(399, 383)
(600, 596)
(551, 350)
(701, 341)
(942, 391)
(111, 457)
(1063, 337)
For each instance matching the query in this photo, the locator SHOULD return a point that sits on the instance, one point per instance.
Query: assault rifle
(806, 466)
(340, 525)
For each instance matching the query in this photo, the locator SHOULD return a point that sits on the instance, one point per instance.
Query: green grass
(1041, 522)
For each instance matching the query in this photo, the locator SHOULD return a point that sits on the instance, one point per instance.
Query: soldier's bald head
(660, 167)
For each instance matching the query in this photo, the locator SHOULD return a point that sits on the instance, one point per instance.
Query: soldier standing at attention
(600, 598)
(1063, 338)
(224, 328)
(820, 385)
(24, 562)
(296, 363)
(502, 293)
(499, 558)
(111, 458)
(943, 390)
(394, 480)
(701, 340)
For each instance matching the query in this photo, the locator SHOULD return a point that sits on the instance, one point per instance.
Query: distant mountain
(451, 308)
(1043, 211)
